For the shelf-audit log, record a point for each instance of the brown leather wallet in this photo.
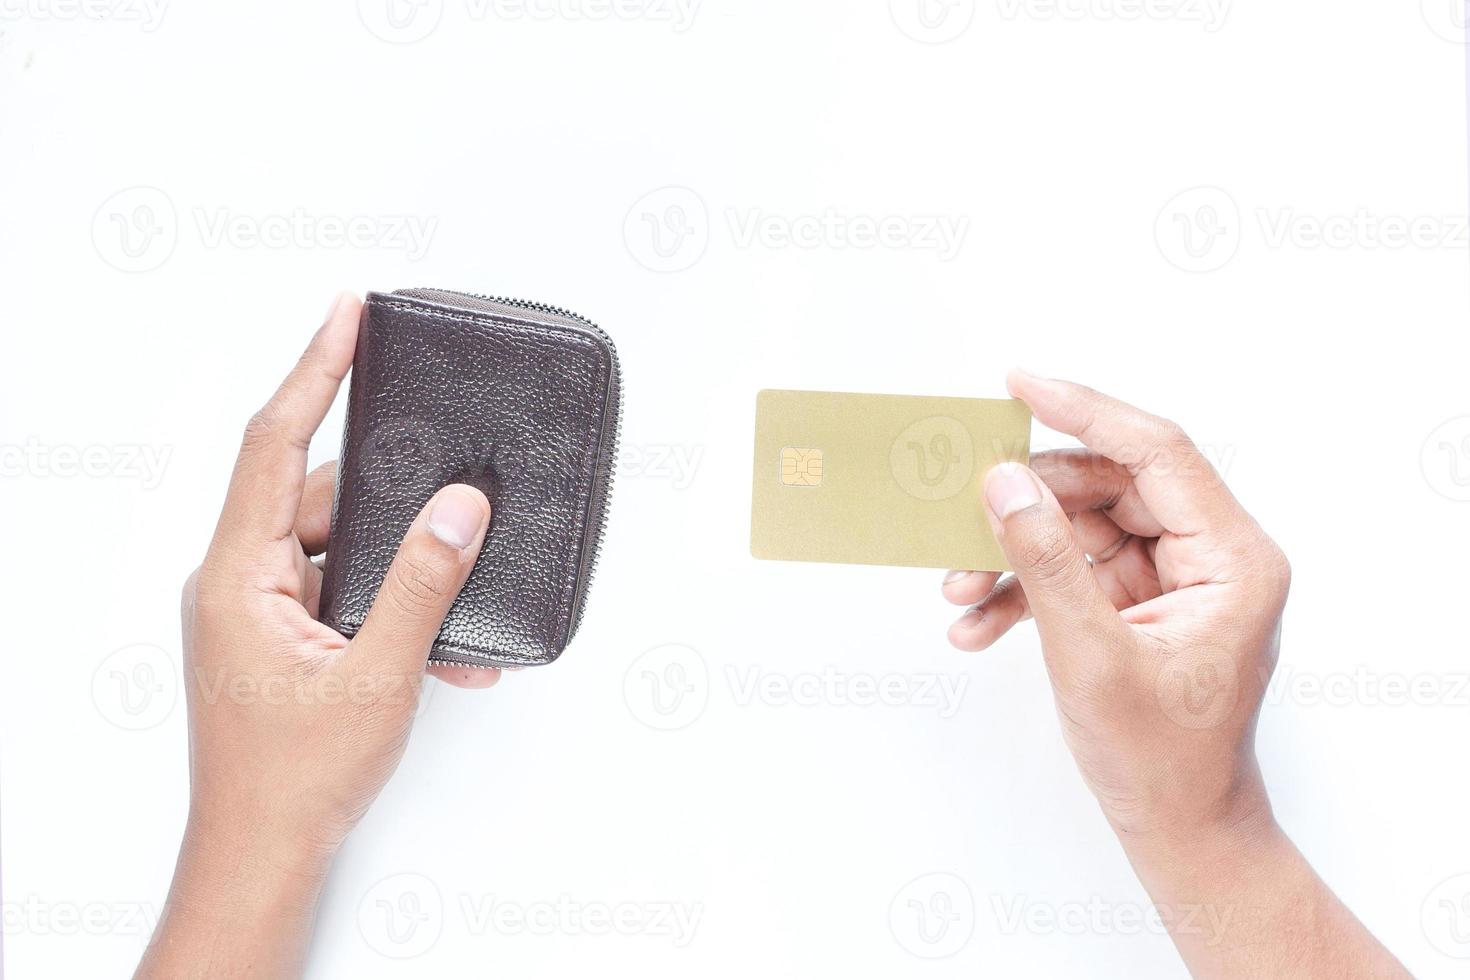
(518, 399)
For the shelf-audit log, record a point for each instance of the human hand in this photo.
(294, 729)
(1158, 600)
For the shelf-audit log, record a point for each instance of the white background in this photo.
(1317, 375)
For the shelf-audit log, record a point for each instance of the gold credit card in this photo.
(879, 479)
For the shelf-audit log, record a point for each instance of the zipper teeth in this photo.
(526, 304)
(612, 450)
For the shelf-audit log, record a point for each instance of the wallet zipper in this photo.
(588, 566)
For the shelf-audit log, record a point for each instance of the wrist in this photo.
(239, 904)
(226, 868)
(1220, 845)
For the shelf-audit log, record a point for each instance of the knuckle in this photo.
(190, 588)
(261, 430)
(417, 584)
(189, 598)
(1170, 433)
(1047, 550)
(1277, 566)
(1169, 448)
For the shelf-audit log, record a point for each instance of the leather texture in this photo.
(519, 400)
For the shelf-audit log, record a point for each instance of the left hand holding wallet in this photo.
(293, 728)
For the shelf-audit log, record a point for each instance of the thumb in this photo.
(431, 566)
(1038, 541)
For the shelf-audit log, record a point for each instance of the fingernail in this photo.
(956, 575)
(336, 302)
(456, 518)
(970, 619)
(1011, 487)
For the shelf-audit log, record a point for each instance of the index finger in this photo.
(1179, 486)
(270, 472)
